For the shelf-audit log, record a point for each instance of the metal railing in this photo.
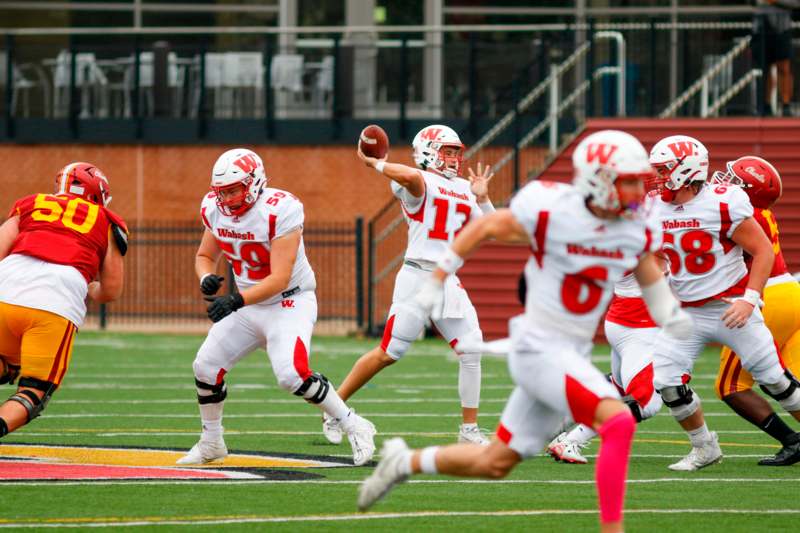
(702, 83)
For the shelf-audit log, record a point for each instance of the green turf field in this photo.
(137, 391)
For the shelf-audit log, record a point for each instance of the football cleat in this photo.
(706, 455)
(204, 452)
(362, 440)
(331, 429)
(472, 434)
(562, 449)
(788, 455)
(386, 475)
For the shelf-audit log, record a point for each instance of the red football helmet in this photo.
(756, 176)
(84, 180)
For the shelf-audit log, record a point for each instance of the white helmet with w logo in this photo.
(679, 160)
(600, 160)
(428, 146)
(234, 168)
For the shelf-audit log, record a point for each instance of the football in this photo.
(373, 141)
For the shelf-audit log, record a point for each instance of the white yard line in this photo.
(249, 519)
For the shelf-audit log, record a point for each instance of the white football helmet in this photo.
(679, 160)
(600, 160)
(428, 145)
(235, 167)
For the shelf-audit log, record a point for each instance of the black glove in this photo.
(222, 306)
(210, 284)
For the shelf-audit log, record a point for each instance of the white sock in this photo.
(469, 379)
(699, 436)
(427, 460)
(335, 407)
(581, 434)
(469, 425)
(405, 463)
(211, 417)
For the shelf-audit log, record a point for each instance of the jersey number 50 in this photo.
(47, 208)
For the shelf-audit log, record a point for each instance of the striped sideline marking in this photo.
(454, 481)
(250, 519)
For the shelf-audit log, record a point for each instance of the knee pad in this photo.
(401, 330)
(207, 372)
(469, 344)
(210, 393)
(29, 400)
(786, 392)
(10, 373)
(681, 400)
(3, 428)
(314, 389)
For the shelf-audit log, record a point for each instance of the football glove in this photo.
(222, 306)
(210, 284)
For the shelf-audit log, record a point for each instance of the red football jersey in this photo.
(64, 229)
(767, 221)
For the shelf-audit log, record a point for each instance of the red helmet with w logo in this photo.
(84, 180)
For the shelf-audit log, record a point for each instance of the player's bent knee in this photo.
(396, 349)
(314, 389)
(34, 401)
(207, 393)
(786, 392)
(205, 371)
(681, 400)
(633, 405)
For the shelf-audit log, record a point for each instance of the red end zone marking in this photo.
(34, 470)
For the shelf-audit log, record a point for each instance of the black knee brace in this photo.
(218, 392)
(29, 399)
(633, 405)
(3, 428)
(314, 389)
(793, 385)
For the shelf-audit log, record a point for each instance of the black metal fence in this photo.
(161, 288)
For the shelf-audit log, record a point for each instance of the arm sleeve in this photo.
(290, 217)
(411, 202)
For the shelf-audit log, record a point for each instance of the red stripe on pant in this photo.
(387, 333)
(641, 386)
(582, 402)
(59, 354)
(301, 360)
(503, 434)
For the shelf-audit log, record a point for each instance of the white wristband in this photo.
(752, 297)
(379, 166)
(486, 207)
(450, 262)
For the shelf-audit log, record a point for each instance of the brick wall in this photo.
(168, 182)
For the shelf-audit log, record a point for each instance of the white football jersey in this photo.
(246, 240)
(703, 260)
(577, 258)
(435, 219)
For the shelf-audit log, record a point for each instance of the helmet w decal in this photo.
(679, 160)
(236, 167)
(84, 180)
(600, 160)
(429, 145)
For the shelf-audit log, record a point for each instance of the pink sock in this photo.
(616, 435)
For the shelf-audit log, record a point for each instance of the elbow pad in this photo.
(120, 238)
(665, 310)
